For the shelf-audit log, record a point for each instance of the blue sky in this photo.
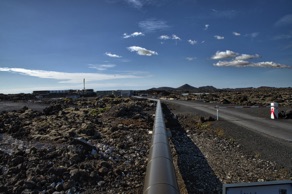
(140, 44)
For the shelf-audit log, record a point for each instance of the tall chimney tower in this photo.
(84, 84)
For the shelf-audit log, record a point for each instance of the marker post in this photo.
(274, 110)
(217, 110)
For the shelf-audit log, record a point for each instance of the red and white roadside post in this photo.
(274, 110)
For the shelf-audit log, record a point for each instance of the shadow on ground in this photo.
(198, 176)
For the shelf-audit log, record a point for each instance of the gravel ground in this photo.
(210, 154)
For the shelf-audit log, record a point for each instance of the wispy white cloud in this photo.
(219, 37)
(242, 63)
(224, 54)
(234, 63)
(270, 64)
(66, 77)
(191, 58)
(284, 21)
(192, 42)
(142, 51)
(206, 26)
(164, 37)
(175, 37)
(230, 14)
(112, 55)
(253, 34)
(236, 33)
(135, 3)
(101, 67)
(283, 36)
(247, 57)
(139, 4)
(288, 46)
(152, 25)
(134, 34)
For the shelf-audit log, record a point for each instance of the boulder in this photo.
(288, 114)
(54, 109)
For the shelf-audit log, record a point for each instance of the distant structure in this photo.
(126, 93)
(63, 93)
(116, 93)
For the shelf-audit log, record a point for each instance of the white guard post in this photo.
(274, 110)
(217, 112)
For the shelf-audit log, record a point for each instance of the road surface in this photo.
(281, 128)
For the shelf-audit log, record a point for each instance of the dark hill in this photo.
(163, 88)
(207, 89)
(186, 87)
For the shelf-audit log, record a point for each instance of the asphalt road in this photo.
(281, 128)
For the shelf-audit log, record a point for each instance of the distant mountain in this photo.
(208, 89)
(186, 87)
(265, 88)
(163, 88)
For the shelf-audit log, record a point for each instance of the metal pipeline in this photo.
(160, 175)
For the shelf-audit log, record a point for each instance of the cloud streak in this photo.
(253, 34)
(102, 67)
(283, 36)
(247, 57)
(65, 77)
(191, 58)
(142, 51)
(135, 3)
(240, 60)
(139, 4)
(242, 63)
(113, 55)
(284, 21)
(152, 25)
(219, 37)
(230, 14)
(134, 34)
(236, 33)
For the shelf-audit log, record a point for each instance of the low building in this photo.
(126, 93)
(63, 93)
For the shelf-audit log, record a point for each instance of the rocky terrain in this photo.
(261, 96)
(84, 146)
(100, 145)
(251, 97)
